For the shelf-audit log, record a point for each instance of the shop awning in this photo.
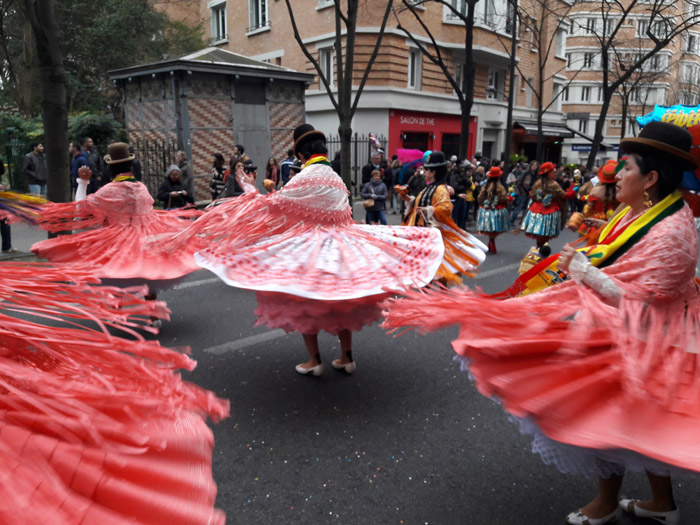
(548, 130)
(603, 145)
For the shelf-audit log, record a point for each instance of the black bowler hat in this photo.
(436, 160)
(662, 139)
(305, 133)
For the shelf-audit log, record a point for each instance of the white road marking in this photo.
(494, 271)
(246, 342)
(192, 284)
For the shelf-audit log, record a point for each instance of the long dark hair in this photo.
(670, 174)
(219, 161)
(610, 192)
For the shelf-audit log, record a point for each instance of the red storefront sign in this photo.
(434, 131)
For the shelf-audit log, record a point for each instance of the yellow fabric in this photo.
(598, 253)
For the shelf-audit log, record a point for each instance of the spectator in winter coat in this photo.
(172, 192)
(375, 189)
(186, 172)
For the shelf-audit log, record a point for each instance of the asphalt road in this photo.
(406, 439)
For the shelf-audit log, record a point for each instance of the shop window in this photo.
(415, 140)
(450, 144)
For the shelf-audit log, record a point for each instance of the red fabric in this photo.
(96, 428)
(123, 237)
(538, 207)
(589, 373)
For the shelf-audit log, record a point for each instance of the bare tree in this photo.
(636, 89)
(665, 21)
(542, 21)
(342, 100)
(462, 82)
(52, 78)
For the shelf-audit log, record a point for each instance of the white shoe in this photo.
(579, 518)
(314, 370)
(671, 517)
(348, 367)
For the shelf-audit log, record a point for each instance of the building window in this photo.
(610, 24)
(530, 92)
(415, 57)
(217, 15)
(635, 95)
(496, 84)
(259, 17)
(565, 94)
(591, 24)
(585, 94)
(642, 27)
(660, 29)
(692, 44)
(600, 94)
(583, 125)
(588, 60)
(325, 59)
(557, 96)
(460, 73)
(560, 43)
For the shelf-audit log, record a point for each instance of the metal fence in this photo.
(361, 151)
(155, 157)
(15, 150)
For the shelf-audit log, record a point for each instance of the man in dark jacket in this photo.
(34, 169)
(95, 161)
(172, 193)
(375, 163)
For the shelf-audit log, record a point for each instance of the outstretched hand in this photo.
(84, 172)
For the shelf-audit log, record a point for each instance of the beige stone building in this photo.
(407, 98)
(671, 77)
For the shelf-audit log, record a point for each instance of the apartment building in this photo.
(670, 77)
(407, 99)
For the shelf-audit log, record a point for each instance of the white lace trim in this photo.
(584, 273)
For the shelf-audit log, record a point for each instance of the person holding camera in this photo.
(172, 192)
(240, 171)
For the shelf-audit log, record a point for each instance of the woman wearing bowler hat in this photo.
(432, 207)
(602, 369)
(123, 238)
(311, 266)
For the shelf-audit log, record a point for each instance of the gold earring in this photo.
(647, 200)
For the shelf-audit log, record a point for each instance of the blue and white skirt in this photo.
(541, 225)
(492, 221)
